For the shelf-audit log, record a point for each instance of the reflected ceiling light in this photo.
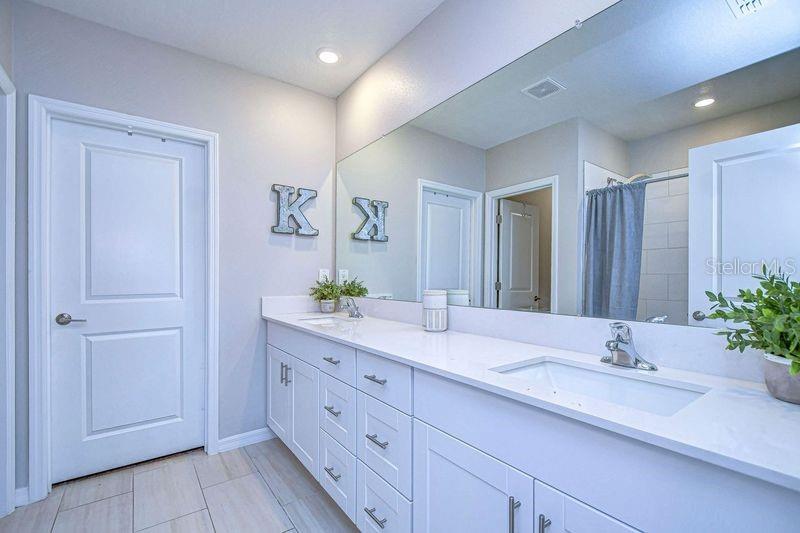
(704, 102)
(326, 55)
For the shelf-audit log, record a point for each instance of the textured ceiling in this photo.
(635, 70)
(278, 39)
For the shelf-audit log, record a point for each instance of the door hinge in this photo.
(499, 219)
(497, 285)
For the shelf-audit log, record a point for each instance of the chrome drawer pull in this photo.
(287, 381)
(283, 372)
(330, 409)
(371, 513)
(513, 505)
(334, 476)
(374, 379)
(544, 523)
(374, 439)
(331, 360)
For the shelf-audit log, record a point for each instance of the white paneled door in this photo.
(519, 255)
(127, 265)
(446, 247)
(742, 213)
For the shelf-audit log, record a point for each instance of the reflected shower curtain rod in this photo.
(611, 181)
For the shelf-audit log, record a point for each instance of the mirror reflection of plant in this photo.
(354, 288)
(325, 290)
(771, 314)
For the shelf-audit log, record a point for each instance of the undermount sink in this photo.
(651, 394)
(328, 321)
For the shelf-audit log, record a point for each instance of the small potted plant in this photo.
(326, 293)
(354, 288)
(770, 322)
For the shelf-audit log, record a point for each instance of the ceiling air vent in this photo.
(742, 8)
(543, 88)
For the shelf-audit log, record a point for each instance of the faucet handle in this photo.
(621, 331)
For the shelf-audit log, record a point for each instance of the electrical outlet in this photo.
(344, 275)
(324, 274)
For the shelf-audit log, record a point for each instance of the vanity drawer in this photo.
(385, 443)
(331, 357)
(380, 508)
(337, 410)
(386, 380)
(337, 473)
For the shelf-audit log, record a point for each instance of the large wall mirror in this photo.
(621, 170)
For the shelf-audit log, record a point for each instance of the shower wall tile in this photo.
(678, 287)
(656, 190)
(663, 287)
(678, 235)
(668, 261)
(654, 286)
(678, 186)
(666, 209)
(655, 236)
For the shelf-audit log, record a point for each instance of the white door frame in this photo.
(41, 112)
(8, 490)
(475, 263)
(490, 227)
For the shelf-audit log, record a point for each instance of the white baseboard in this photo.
(244, 439)
(21, 497)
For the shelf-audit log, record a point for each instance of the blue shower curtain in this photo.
(613, 245)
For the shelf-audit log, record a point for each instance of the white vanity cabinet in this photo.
(278, 394)
(401, 448)
(558, 513)
(303, 385)
(460, 488)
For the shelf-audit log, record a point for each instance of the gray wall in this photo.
(388, 169)
(458, 44)
(270, 132)
(6, 32)
(547, 152)
(670, 150)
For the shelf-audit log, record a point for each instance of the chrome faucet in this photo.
(623, 351)
(352, 308)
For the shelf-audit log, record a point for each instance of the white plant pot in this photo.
(780, 383)
(327, 306)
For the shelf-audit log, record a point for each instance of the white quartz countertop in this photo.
(736, 424)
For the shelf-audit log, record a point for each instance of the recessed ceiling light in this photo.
(705, 102)
(326, 55)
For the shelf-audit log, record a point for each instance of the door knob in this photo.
(62, 319)
(699, 316)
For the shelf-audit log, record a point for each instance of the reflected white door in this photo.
(446, 241)
(742, 211)
(518, 255)
(128, 247)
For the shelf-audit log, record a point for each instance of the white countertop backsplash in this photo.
(736, 425)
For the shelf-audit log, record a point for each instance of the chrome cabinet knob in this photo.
(699, 316)
(63, 319)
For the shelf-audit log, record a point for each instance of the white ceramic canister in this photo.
(458, 297)
(434, 310)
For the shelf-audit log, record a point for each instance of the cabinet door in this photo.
(459, 488)
(566, 514)
(304, 413)
(278, 393)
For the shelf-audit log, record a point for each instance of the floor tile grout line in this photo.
(272, 491)
(205, 501)
(60, 510)
(55, 516)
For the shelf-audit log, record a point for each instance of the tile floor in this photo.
(258, 488)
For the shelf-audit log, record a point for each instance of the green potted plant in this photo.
(354, 288)
(767, 319)
(326, 292)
